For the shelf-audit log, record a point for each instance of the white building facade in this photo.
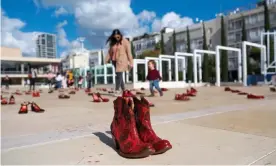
(145, 42)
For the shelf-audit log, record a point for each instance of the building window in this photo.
(210, 30)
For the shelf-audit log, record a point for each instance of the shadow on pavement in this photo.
(105, 139)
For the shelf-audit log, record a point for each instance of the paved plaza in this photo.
(215, 127)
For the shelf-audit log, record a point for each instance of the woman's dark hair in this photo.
(111, 40)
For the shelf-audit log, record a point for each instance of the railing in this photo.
(19, 72)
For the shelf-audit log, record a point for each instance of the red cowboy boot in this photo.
(146, 133)
(12, 100)
(127, 93)
(24, 108)
(124, 131)
(36, 108)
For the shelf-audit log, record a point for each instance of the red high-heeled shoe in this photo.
(251, 96)
(12, 100)
(87, 90)
(103, 99)
(164, 89)
(190, 93)
(24, 108)
(36, 94)
(181, 97)
(95, 98)
(28, 92)
(193, 90)
(36, 108)
(4, 101)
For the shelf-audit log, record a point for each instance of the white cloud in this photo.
(146, 16)
(13, 36)
(63, 42)
(171, 20)
(60, 11)
(97, 18)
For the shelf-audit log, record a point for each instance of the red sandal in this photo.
(102, 99)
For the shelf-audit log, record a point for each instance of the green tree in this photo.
(244, 38)
(133, 50)
(190, 71)
(205, 70)
(224, 56)
(162, 45)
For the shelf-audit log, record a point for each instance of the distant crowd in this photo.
(54, 80)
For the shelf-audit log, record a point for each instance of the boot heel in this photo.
(115, 143)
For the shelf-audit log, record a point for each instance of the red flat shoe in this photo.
(103, 99)
(235, 91)
(164, 89)
(24, 108)
(227, 89)
(181, 97)
(72, 92)
(242, 93)
(63, 96)
(36, 108)
(251, 96)
(95, 98)
(12, 100)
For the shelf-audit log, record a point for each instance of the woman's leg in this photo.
(122, 82)
(118, 80)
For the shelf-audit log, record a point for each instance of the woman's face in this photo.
(117, 37)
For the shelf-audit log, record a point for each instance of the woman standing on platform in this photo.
(120, 55)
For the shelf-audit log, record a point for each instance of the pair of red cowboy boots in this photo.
(34, 107)
(132, 131)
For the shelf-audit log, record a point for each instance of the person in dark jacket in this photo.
(32, 76)
(154, 78)
(89, 80)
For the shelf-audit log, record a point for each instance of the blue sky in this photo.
(94, 19)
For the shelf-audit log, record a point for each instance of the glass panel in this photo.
(109, 70)
(100, 80)
(110, 80)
